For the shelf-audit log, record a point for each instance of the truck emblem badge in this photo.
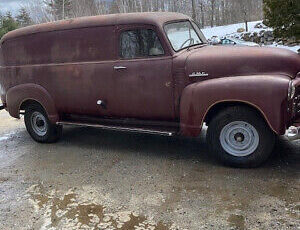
(199, 74)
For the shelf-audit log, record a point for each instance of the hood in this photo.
(218, 61)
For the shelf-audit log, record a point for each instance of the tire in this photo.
(239, 137)
(38, 125)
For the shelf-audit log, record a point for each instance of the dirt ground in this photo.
(95, 179)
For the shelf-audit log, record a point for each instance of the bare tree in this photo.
(206, 12)
(194, 10)
(38, 11)
(81, 8)
(212, 12)
(245, 7)
(201, 7)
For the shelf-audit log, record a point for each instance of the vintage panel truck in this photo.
(151, 73)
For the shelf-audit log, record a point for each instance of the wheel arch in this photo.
(20, 96)
(221, 105)
(267, 94)
(29, 101)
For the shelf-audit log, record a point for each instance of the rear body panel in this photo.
(75, 65)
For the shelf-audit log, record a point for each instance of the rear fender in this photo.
(267, 94)
(19, 94)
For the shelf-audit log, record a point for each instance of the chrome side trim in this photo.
(119, 67)
(116, 128)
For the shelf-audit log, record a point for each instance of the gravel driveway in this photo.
(95, 179)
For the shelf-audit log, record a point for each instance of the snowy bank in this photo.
(231, 30)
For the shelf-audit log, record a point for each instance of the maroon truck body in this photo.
(68, 66)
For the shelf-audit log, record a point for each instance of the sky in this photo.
(14, 5)
(10, 5)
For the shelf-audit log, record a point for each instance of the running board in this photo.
(118, 128)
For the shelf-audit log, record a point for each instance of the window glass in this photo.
(183, 34)
(140, 43)
(227, 42)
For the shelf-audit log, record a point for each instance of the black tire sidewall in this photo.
(53, 132)
(266, 137)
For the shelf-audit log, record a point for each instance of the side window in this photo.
(140, 43)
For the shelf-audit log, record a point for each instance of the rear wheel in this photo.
(38, 125)
(240, 137)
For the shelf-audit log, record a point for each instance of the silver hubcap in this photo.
(239, 138)
(39, 123)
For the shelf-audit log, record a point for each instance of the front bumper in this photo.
(295, 105)
(293, 133)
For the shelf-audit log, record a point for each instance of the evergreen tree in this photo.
(8, 15)
(283, 16)
(60, 9)
(8, 23)
(1, 19)
(23, 18)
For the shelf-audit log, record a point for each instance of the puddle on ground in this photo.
(68, 212)
(237, 221)
(6, 136)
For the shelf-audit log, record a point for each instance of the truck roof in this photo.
(154, 18)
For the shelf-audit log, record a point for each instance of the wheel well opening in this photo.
(223, 105)
(26, 103)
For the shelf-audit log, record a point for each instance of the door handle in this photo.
(119, 67)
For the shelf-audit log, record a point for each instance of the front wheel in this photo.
(240, 137)
(38, 125)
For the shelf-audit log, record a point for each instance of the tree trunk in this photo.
(246, 25)
(212, 13)
(194, 10)
(202, 14)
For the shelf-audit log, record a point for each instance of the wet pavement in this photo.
(95, 179)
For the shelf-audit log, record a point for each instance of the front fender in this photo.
(268, 94)
(17, 95)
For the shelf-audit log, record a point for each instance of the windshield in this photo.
(184, 34)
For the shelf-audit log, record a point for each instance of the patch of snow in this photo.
(221, 31)
(231, 30)
(292, 48)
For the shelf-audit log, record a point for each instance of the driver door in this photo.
(142, 76)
